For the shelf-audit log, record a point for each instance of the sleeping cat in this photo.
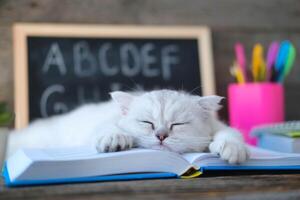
(163, 119)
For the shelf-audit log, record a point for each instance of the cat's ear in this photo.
(210, 103)
(123, 99)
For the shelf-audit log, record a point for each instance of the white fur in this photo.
(118, 125)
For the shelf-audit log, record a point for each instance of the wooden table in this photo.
(230, 187)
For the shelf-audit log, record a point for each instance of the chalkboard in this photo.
(64, 71)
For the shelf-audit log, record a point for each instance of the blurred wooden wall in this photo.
(231, 20)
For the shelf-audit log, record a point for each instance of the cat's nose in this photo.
(162, 134)
(161, 137)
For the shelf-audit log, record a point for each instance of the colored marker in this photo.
(258, 64)
(271, 59)
(282, 56)
(236, 71)
(241, 58)
(288, 64)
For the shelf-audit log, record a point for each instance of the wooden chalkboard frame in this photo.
(21, 31)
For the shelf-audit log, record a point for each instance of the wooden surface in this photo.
(231, 20)
(231, 187)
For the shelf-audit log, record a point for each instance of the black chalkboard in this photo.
(67, 72)
(58, 67)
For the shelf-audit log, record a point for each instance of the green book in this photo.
(289, 129)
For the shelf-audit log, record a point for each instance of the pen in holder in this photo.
(253, 104)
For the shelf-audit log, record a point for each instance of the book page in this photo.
(192, 157)
(75, 153)
(259, 153)
(255, 154)
(87, 162)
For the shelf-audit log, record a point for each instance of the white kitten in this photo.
(162, 119)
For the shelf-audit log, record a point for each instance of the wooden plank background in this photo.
(230, 20)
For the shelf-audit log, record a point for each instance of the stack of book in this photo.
(282, 137)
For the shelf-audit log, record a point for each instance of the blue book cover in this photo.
(120, 177)
(250, 168)
(142, 176)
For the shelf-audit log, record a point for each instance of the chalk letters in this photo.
(55, 58)
(169, 59)
(107, 68)
(84, 62)
(148, 61)
(58, 106)
(68, 72)
(130, 60)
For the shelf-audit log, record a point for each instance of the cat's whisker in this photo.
(196, 88)
(193, 139)
(190, 142)
(137, 87)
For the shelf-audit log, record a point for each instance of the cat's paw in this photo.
(232, 151)
(113, 142)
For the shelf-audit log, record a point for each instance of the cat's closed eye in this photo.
(178, 124)
(149, 123)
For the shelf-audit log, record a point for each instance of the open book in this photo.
(84, 164)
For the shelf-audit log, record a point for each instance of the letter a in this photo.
(55, 58)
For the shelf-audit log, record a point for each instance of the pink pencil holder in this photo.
(255, 104)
